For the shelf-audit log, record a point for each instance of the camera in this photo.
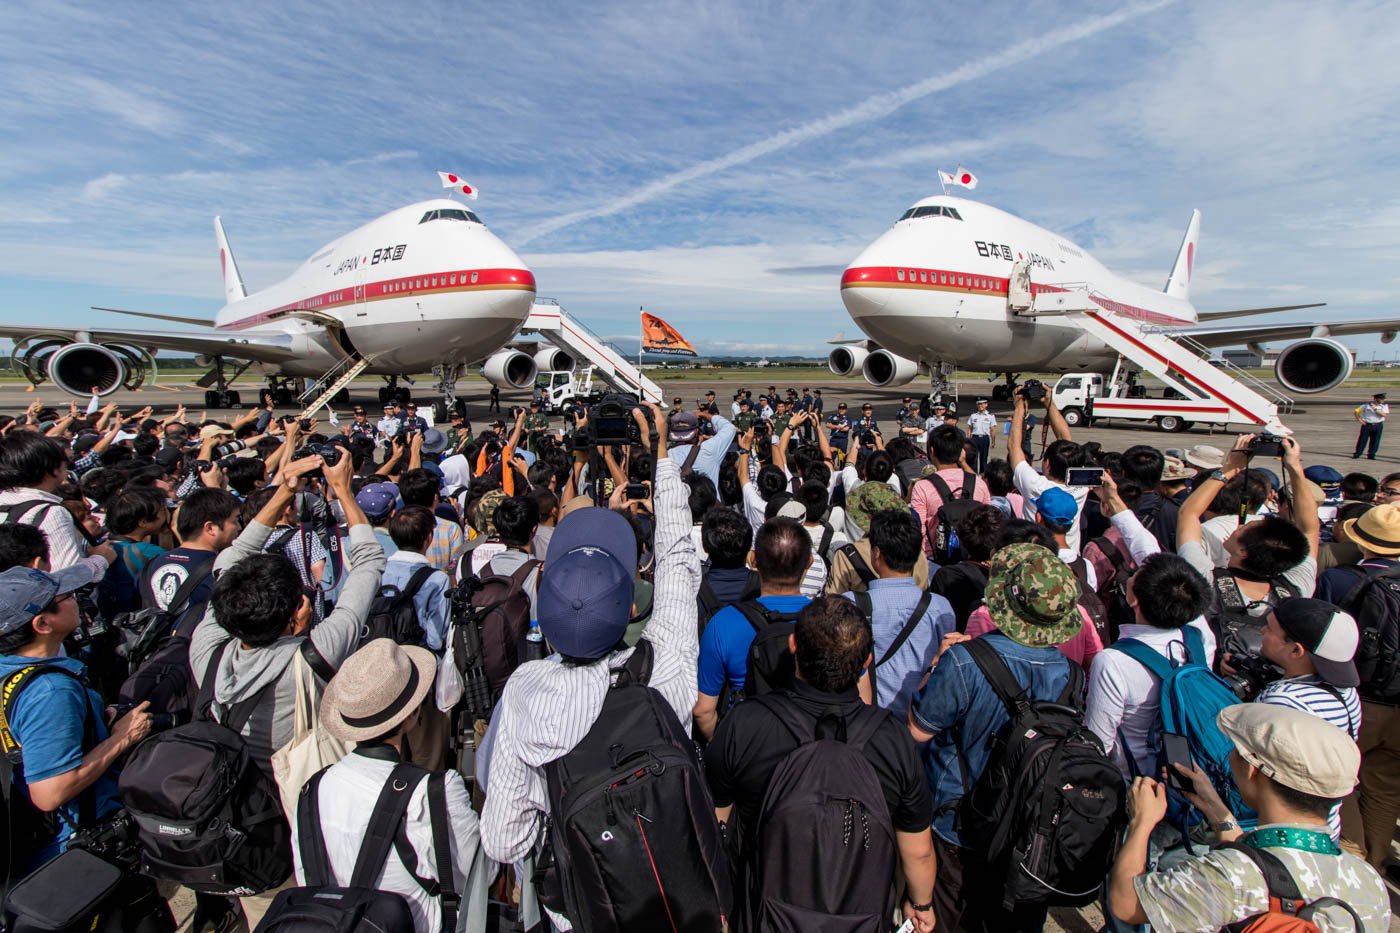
(330, 453)
(1033, 390)
(1265, 444)
(113, 839)
(159, 721)
(1252, 674)
(610, 421)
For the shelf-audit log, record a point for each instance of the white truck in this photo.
(1084, 398)
(557, 388)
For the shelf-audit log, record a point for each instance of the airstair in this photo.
(326, 388)
(1173, 358)
(549, 320)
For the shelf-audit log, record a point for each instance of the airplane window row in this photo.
(432, 281)
(936, 210)
(947, 278)
(448, 213)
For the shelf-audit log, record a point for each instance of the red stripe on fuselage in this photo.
(432, 283)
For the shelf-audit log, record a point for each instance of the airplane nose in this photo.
(861, 301)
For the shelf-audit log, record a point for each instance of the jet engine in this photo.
(78, 367)
(553, 359)
(846, 361)
(1313, 365)
(883, 369)
(510, 369)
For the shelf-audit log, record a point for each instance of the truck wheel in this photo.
(1170, 423)
(1073, 417)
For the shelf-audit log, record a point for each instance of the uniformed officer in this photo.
(746, 417)
(536, 427)
(982, 423)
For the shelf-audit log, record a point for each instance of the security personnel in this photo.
(746, 417)
(536, 427)
(982, 423)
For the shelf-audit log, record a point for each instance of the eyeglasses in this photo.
(60, 600)
(1387, 491)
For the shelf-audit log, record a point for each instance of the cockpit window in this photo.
(934, 210)
(448, 213)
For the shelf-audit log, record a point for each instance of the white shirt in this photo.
(67, 546)
(1031, 484)
(982, 423)
(346, 791)
(1371, 413)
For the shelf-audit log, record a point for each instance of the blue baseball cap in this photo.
(26, 592)
(1329, 479)
(1058, 506)
(585, 592)
(378, 499)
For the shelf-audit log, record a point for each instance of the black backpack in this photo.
(858, 563)
(963, 585)
(1375, 604)
(158, 657)
(826, 855)
(710, 603)
(321, 906)
(770, 665)
(942, 526)
(1113, 589)
(1236, 631)
(498, 607)
(392, 614)
(1045, 814)
(866, 605)
(207, 815)
(28, 829)
(631, 839)
(1089, 601)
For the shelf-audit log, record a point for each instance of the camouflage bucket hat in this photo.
(1032, 596)
(486, 511)
(870, 498)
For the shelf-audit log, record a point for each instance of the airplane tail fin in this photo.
(233, 281)
(1179, 282)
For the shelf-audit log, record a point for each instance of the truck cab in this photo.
(1074, 394)
(556, 388)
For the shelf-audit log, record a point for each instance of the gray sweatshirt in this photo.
(245, 671)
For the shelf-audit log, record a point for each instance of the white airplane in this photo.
(425, 287)
(932, 294)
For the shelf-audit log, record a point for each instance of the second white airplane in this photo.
(932, 294)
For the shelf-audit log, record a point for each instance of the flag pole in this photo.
(641, 335)
(941, 182)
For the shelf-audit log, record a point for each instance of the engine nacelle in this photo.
(78, 367)
(1313, 365)
(883, 369)
(553, 359)
(510, 369)
(846, 361)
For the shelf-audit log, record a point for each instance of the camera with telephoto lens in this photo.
(1252, 674)
(113, 839)
(610, 422)
(1033, 390)
(1265, 444)
(330, 453)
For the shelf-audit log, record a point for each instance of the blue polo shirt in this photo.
(47, 720)
(724, 647)
(960, 708)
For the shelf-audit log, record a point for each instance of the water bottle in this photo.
(534, 648)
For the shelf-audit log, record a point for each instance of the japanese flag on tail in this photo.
(458, 184)
(965, 178)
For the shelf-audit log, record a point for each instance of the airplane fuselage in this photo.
(933, 288)
(423, 285)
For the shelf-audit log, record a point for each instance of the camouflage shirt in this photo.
(1224, 886)
(744, 420)
(537, 424)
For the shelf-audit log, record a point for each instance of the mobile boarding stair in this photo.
(320, 392)
(1223, 395)
(549, 320)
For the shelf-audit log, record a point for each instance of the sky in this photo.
(716, 162)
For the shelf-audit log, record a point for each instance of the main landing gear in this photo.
(220, 396)
(391, 391)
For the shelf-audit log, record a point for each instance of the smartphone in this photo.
(1178, 752)
(906, 927)
(637, 491)
(1085, 476)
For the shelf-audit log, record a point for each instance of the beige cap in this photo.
(211, 431)
(1296, 749)
(1175, 470)
(1205, 457)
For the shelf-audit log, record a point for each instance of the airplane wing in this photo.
(264, 348)
(1206, 316)
(1234, 335)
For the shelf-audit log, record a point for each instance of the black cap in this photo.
(1327, 633)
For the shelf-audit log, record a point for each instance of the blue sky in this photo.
(716, 162)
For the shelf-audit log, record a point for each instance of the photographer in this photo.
(1055, 464)
(56, 722)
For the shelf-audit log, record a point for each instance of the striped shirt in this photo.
(1342, 709)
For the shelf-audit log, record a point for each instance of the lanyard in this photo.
(1283, 837)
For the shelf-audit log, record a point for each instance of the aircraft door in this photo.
(1020, 297)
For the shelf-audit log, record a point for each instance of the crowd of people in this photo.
(763, 668)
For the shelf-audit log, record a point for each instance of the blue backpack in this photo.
(1191, 698)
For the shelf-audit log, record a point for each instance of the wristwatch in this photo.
(921, 908)
(1225, 825)
(1218, 475)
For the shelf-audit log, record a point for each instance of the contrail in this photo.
(872, 108)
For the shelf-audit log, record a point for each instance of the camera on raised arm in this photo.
(1032, 390)
(1265, 444)
(330, 453)
(610, 422)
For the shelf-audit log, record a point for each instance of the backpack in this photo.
(1046, 813)
(963, 585)
(392, 614)
(499, 608)
(1236, 631)
(17, 512)
(631, 841)
(1089, 601)
(770, 663)
(826, 855)
(119, 590)
(1289, 911)
(858, 563)
(1191, 697)
(207, 815)
(710, 603)
(867, 607)
(27, 828)
(157, 657)
(1113, 588)
(942, 525)
(360, 907)
(1375, 604)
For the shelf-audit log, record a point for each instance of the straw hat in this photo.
(377, 688)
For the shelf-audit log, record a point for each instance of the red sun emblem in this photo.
(452, 178)
(965, 178)
(466, 189)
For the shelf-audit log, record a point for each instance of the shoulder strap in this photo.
(866, 605)
(315, 862)
(522, 573)
(998, 675)
(415, 582)
(388, 813)
(316, 661)
(638, 667)
(827, 534)
(1283, 888)
(944, 492)
(442, 849)
(11, 688)
(193, 579)
(691, 455)
(1353, 596)
(17, 512)
(752, 586)
(755, 612)
(910, 625)
(709, 600)
(1111, 551)
(858, 563)
(1156, 665)
(969, 485)
(780, 705)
